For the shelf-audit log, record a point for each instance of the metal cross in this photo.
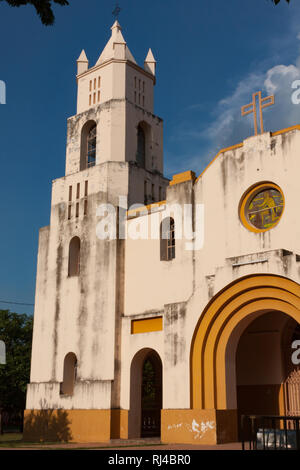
(116, 11)
(252, 108)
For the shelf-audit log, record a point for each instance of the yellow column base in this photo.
(67, 425)
(207, 427)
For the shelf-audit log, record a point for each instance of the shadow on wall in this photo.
(47, 425)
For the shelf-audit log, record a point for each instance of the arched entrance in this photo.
(260, 367)
(214, 375)
(145, 394)
(266, 377)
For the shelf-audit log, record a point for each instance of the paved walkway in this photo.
(117, 444)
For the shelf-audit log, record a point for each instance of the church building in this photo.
(182, 316)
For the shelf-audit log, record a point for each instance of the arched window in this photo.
(91, 147)
(74, 257)
(141, 147)
(88, 145)
(70, 374)
(167, 239)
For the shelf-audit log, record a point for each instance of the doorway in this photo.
(151, 396)
(145, 395)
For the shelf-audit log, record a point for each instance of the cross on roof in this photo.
(116, 11)
(252, 108)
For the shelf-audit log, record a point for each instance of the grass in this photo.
(15, 441)
(11, 437)
(10, 440)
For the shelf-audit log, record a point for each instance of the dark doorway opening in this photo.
(151, 395)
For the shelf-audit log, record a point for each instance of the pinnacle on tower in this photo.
(116, 48)
(82, 63)
(116, 26)
(150, 63)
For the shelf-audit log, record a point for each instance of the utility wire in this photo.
(15, 303)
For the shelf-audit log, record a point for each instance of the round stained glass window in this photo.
(262, 207)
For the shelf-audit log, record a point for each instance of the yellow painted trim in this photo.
(148, 208)
(246, 199)
(227, 149)
(282, 405)
(244, 297)
(287, 129)
(146, 326)
(245, 311)
(183, 177)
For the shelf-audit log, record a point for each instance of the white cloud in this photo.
(227, 127)
(278, 75)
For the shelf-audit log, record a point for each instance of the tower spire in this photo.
(82, 63)
(150, 63)
(116, 48)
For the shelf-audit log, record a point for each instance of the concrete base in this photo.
(67, 425)
(207, 427)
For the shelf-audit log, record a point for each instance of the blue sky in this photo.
(212, 55)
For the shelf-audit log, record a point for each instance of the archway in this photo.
(69, 374)
(264, 361)
(145, 394)
(74, 257)
(213, 374)
(260, 366)
(143, 144)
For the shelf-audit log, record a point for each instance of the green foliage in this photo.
(42, 7)
(16, 332)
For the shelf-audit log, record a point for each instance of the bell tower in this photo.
(115, 120)
(114, 148)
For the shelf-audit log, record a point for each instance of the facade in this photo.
(187, 320)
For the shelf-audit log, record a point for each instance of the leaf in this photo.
(42, 7)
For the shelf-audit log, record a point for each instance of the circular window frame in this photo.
(246, 200)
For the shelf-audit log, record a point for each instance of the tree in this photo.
(43, 8)
(277, 1)
(16, 332)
